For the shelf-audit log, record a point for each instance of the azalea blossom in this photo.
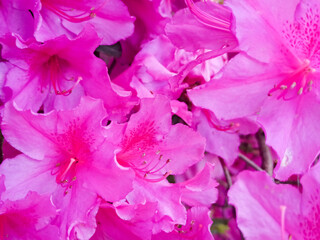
(54, 75)
(153, 147)
(274, 81)
(67, 151)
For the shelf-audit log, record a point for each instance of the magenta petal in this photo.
(170, 210)
(20, 181)
(104, 171)
(30, 132)
(28, 218)
(201, 189)
(111, 225)
(224, 143)
(185, 24)
(183, 150)
(310, 206)
(258, 20)
(77, 211)
(197, 227)
(244, 86)
(181, 110)
(289, 128)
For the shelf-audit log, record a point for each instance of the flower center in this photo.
(72, 14)
(55, 74)
(149, 170)
(66, 173)
(295, 83)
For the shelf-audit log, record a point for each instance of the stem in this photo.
(226, 172)
(250, 162)
(267, 161)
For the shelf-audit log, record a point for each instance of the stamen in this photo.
(207, 19)
(151, 168)
(61, 177)
(298, 78)
(283, 231)
(156, 179)
(55, 75)
(231, 127)
(62, 12)
(188, 233)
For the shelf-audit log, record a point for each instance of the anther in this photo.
(293, 85)
(300, 91)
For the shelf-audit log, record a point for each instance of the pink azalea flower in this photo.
(154, 148)
(28, 218)
(197, 227)
(67, 151)
(56, 17)
(273, 80)
(57, 73)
